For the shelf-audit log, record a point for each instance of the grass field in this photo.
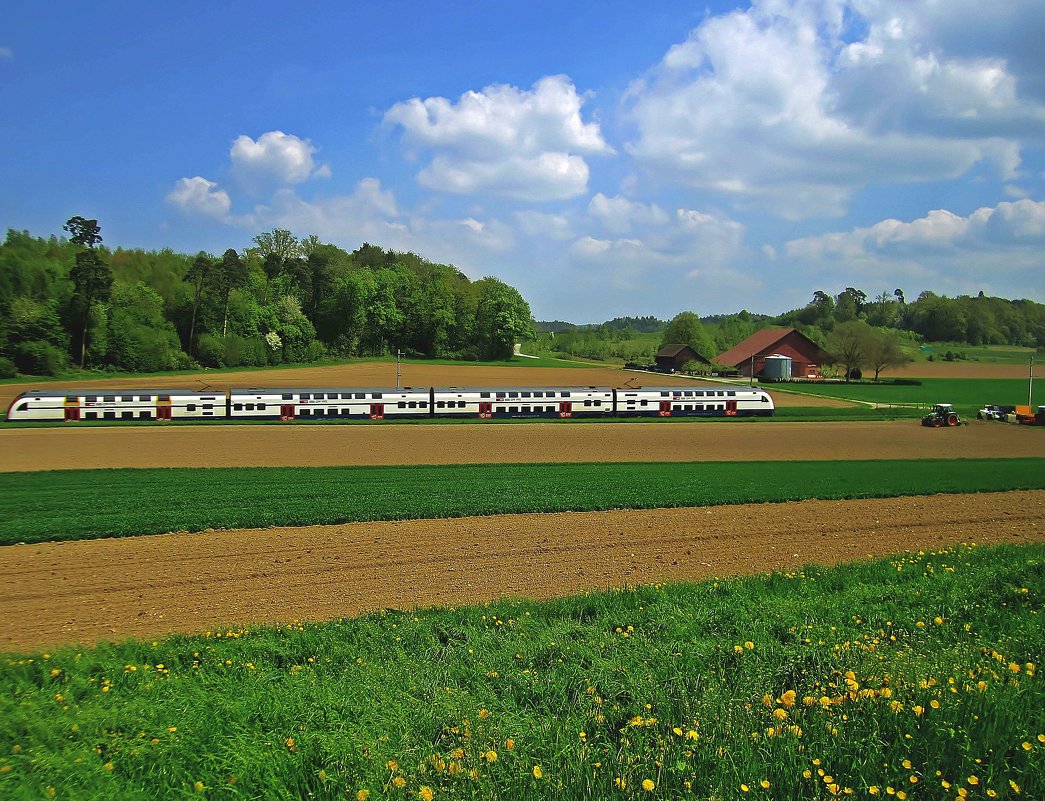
(967, 394)
(908, 678)
(81, 504)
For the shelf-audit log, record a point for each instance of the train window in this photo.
(261, 407)
(377, 396)
(110, 415)
(513, 410)
(402, 404)
(513, 394)
(413, 404)
(237, 407)
(484, 394)
(91, 416)
(164, 398)
(144, 415)
(525, 394)
(664, 394)
(91, 399)
(109, 398)
(731, 393)
(440, 404)
(644, 403)
(525, 409)
(360, 396)
(699, 407)
(71, 399)
(127, 415)
(190, 407)
(208, 406)
(698, 394)
(288, 396)
(305, 396)
(587, 403)
(249, 407)
(765, 399)
(22, 406)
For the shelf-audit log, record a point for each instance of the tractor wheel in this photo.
(952, 420)
(937, 422)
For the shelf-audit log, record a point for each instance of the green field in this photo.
(967, 394)
(81, 504)
(906, 678)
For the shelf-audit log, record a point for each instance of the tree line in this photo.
(72, 301)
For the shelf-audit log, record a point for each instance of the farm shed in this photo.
(806, 356)
(675, 357)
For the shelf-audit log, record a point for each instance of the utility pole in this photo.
(1030, 386)
(751, 381)
(398, 354)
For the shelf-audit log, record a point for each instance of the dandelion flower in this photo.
(765, 784)
(974, 780)
(425, 793)
(199, 786)
(537, 773)
(648, 785)
(362, 795)
(399, 782)
(490, 756)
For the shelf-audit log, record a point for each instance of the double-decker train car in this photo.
(385, 403)
(357, 403)
(491, 403)
(705, 401)
(118, 404)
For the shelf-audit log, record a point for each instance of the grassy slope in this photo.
(83, 504)
(915, 675)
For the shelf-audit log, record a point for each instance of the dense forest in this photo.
(70, 301)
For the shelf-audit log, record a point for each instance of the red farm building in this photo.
(777, 345)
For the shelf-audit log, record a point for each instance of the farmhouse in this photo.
(675, 357)
(777, 345)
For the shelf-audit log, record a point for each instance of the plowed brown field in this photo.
(493, 443)
(64, 593)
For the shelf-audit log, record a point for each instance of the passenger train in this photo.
(382, 403)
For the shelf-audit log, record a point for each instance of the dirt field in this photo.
(65, 593)
(66, 448)
(963, 370)
(375, 374)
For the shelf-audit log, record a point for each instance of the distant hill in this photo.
(642, 325)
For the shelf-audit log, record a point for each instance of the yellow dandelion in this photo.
(749, 645)
(392, 765)
(1015, 787)
(765, 784)
(490, 756)
(934, 704)
(199, 787)
(873, 789)
(738, 648)
(483, 714)
(692, 735)
(992, 794)
(399, 782)
(744, 788)
(974, 780)
(1027, 746)
(425, 793)
(648, 785)
(362, 795)
(780, 714)
(901, 795)
(788, 698)
(537, 773)
(108, 766)
(509, 744)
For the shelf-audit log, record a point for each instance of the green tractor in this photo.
(942, 415)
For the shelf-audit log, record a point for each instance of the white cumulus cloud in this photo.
(505, 141)
(275, 156)
(793, 105)
(199, 196)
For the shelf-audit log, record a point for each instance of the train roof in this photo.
(316, 390)
(81, 391)
(691, 387)
(560, 388)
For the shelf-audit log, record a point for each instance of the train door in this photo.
(665, 409)
(72, 409)
(731, 408)
(287, 411)
(163, 407)
(377, 411)
(566, 409)
(485, 410)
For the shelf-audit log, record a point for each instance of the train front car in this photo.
(355, 403)
(73, 405)
(491, 403)
(695, 401)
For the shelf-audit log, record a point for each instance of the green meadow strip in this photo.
(908, 678)
(66, 505)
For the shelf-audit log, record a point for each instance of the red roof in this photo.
(760, 342)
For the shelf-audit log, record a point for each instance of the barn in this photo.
(776, 345)
(674, 357)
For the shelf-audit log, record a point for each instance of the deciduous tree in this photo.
(91, 277)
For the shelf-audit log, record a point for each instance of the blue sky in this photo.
(605, 158)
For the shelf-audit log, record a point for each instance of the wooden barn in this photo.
(776, 344)
(674, 357)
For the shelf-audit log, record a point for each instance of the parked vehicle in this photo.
(992, 412)
(1025, 417)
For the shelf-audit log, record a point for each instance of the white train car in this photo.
(697, 401)
(117, 404)
(375, 403)
(492, 403)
